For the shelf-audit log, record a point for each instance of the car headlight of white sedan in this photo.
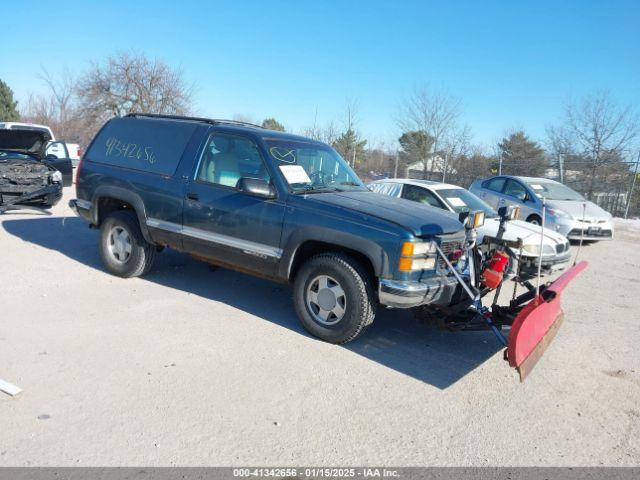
(554, 213)
(534, 249)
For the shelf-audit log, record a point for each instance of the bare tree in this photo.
(470, 165)
(436, 114)
(328, 133)
(58, 107)
(127, 83)
(245, 117)
(596, 129)
(456, 145)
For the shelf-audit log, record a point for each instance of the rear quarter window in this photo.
(495, 184)
(391, 189)
(149, 145)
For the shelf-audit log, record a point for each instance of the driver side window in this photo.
(227, 158)
(421, 195)
(516, 190)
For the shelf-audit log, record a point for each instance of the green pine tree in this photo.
(8, 106)
(272, 124)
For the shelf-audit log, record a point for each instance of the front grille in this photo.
(448, 245)
(590, 221)
(560, 248)
(601, 233)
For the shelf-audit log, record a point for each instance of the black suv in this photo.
(267, 203)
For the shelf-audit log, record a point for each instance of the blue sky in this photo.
(511, 63)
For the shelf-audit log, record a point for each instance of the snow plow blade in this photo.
(537, 323)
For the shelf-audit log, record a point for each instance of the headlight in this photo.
(417, 256)
(411, 249)
(534, 249)
(410, 264)
(553, 212)
(56, 177)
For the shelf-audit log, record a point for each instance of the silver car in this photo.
(555, 255)
(568, 212)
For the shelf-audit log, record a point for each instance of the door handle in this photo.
(192, 196)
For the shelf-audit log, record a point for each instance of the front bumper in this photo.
(591, 229)
(550, 264)
(437, 290)
(17, 195)
(80, 207)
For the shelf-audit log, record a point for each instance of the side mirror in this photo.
(256, 187)
(51, 156)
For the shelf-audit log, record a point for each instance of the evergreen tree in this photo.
(272, 124)
(350, 147)
(522, 156)
(8, 106)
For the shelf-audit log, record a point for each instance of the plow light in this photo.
(510, 212)
(478, 219)
(471, 219)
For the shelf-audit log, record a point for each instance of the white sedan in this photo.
(556, 253)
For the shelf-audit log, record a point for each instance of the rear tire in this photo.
(123, 249)
(334, 297)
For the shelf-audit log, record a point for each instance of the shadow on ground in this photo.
(395, 340)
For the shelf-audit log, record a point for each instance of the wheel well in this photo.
(532, 216)
(311, 248)
(108, 205)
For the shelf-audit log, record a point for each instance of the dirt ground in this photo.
(192, 367)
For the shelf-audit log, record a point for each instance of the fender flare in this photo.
(370, 249)
(124, 195)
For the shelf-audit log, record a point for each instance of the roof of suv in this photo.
(230, 125)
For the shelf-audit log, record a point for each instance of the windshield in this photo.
(553, 191)
(461, 200)
(6, 154)
(312, 167)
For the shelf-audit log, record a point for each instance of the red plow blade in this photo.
(537, 323)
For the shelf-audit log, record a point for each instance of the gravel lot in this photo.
(192, 367)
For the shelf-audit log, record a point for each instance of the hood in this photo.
(421, 220)
(574, 208)
(528, 232)
(31, 142)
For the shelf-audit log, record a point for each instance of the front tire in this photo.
(334, 297)
(123, 249)
(534, 219)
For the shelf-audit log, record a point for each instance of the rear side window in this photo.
(495, 184)
(148, 145)
(391, 189)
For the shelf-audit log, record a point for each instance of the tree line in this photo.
(590, 148)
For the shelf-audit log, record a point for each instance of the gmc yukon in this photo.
(268, 203)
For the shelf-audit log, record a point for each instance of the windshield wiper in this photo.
(352, 184)
(316, 189)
